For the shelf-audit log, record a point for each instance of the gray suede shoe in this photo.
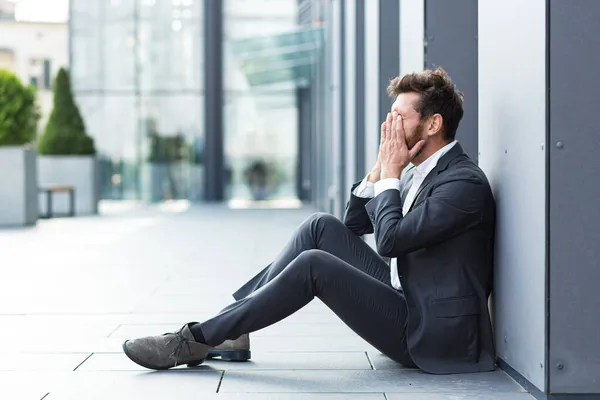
(166, 351)
(232, 350)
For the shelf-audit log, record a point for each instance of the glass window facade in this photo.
(138, 71)
(138, 77)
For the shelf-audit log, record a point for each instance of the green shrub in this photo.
(65, 131)
(19, 114)
(166, 149)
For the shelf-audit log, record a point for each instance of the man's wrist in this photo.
(374, 176)
(394, 172)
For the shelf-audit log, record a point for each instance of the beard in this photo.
(416, 136)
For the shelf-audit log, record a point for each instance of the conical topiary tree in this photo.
(65, 131)
(19, 114)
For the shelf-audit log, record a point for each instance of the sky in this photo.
(42, 10)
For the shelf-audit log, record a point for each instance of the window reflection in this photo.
(260, 121)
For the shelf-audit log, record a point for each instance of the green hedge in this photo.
(65, 131)
(19, 114)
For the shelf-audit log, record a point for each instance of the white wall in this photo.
(412, 33)
(372, 88)
(512, 132)
(36, 40)
(350, 85)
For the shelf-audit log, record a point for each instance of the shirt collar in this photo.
(428, 165)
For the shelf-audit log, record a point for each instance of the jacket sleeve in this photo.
(356, 217)
(453, 207)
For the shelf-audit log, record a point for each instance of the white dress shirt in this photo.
(367, 189)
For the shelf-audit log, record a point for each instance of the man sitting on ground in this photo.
(432, 212)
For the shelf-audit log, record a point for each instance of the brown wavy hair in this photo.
(438, 96)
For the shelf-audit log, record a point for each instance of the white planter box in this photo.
(18, 186)
(80, 172)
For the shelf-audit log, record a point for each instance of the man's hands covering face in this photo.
(394, 154)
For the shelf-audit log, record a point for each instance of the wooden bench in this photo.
(49, 191)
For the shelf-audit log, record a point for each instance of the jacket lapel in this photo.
(441, 166)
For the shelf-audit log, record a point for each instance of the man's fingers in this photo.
(383, 130)
(412, 153)
(400, 130)
(388, 125)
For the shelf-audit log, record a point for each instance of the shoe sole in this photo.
(143, 364)
(229, 355)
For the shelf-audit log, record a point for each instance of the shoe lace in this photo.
(182, 343)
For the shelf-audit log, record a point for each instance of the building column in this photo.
(214, 176)
(359, 87)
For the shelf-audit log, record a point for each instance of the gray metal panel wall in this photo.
(451, 32)
(389, 52)
(512, 135)
(574, 214)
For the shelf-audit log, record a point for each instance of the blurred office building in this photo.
(239, 100)
(34, 51)
(7, 10)
(193, 99)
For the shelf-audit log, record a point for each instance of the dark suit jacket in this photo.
(444, 249)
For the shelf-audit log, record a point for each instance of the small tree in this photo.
(65, 131)
(19, 114)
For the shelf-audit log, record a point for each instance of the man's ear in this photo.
(435, 124)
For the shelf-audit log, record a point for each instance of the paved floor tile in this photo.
(134, 385)
(363, 381)
(65, 344)
(486, 382)
(41, 362)
(295, 396)
(459, 396)
(309, 343)
(260, 361)
(18, 392)
(30, 385)
(380, 361)
(93, 282)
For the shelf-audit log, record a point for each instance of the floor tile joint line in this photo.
(81, 363)
(114, 330)
(220, 381)
(369, 360)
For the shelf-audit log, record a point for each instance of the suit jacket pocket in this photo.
(455, 306)
(459, 319)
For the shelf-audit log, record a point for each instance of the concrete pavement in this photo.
(72, 290)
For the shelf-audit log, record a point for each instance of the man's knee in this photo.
(314, 257)
(324, 219)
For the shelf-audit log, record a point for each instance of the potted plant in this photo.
(19, 116)
(67, 153)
